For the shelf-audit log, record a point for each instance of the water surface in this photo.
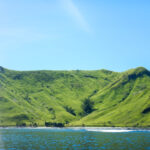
(73, 139)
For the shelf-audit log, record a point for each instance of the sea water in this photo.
(74, 139)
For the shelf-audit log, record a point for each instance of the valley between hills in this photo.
(75, 98)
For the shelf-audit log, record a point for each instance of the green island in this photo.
(98, 98)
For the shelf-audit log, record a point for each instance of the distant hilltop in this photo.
(75, 98)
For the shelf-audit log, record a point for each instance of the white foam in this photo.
(109, 130)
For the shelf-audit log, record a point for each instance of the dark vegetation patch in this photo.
(135, 75)
(87, 106)
(90, 76)
(70, 110)
(21, 117)
(27, 98)
(18, 77)
(21, 124)
(34, 124)
(41, 76)
(53, 124)
(145, 111)
(2, 99)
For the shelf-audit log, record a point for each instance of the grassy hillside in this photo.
(75, 98)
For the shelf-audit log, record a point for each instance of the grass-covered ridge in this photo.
(75, 98)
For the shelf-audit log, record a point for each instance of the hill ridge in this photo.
(136, 68)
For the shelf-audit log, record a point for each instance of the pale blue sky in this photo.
(74, 34)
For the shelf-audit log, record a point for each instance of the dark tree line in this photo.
(87, 106)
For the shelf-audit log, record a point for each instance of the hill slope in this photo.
(57, 98)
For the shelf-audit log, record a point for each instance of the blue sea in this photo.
(74, 139)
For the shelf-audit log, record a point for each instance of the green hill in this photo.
(75, 98)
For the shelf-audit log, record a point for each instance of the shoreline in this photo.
(86, 128)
